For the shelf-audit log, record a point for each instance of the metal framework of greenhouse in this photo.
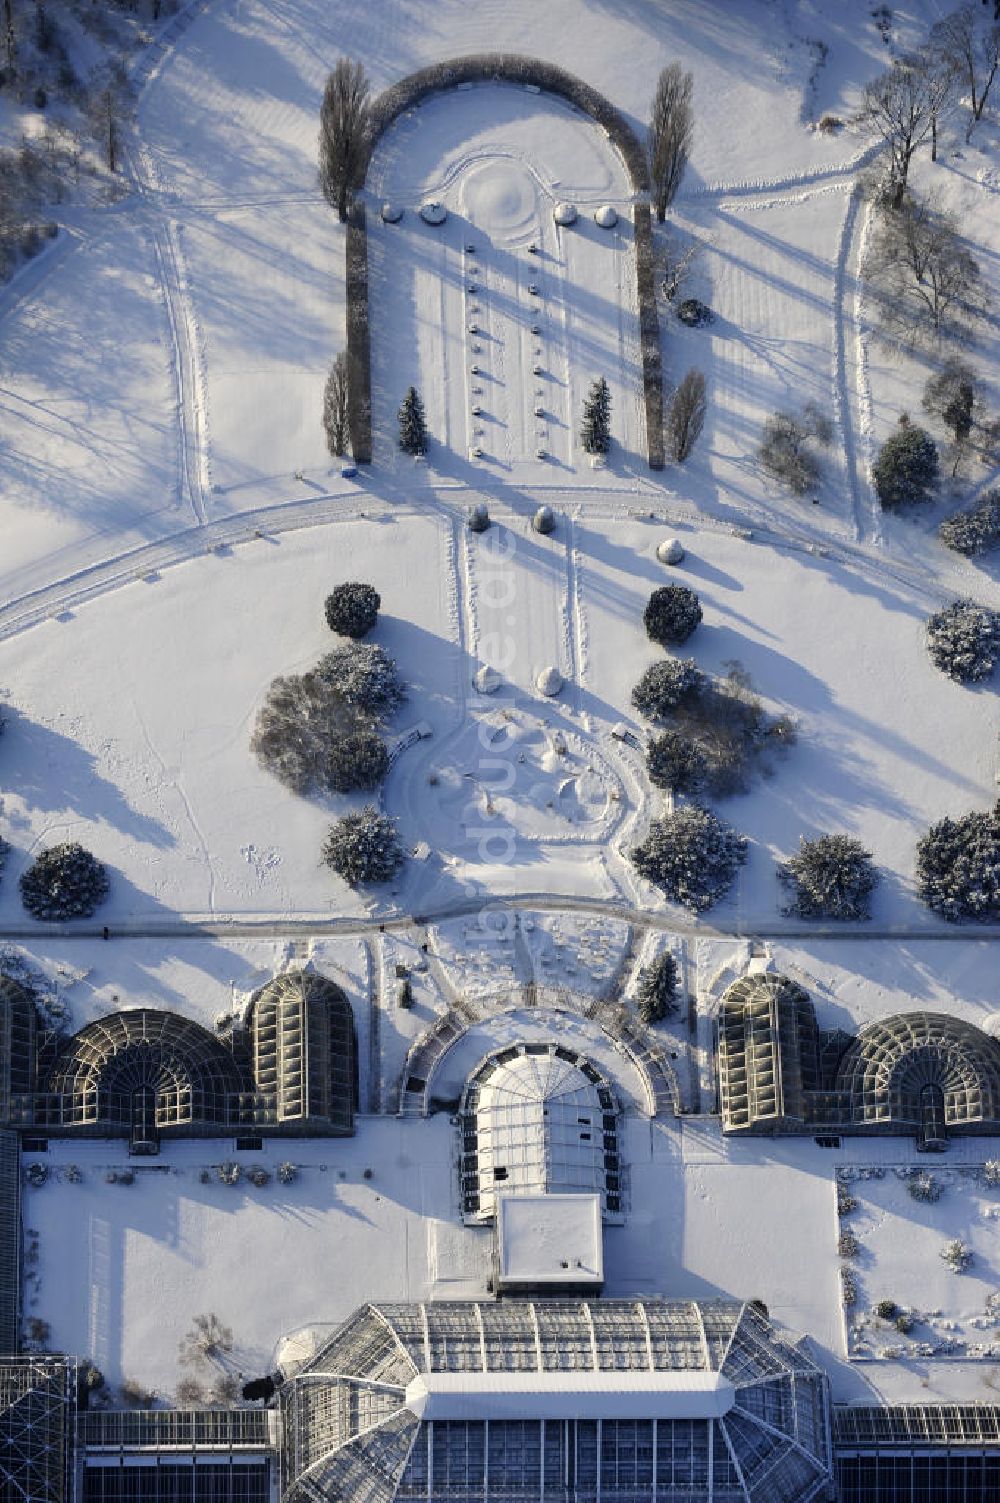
(724, 1410)
(921, 1072)
(37, 1415)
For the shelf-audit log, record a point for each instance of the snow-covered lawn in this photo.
(145, 757)
(900, 1240)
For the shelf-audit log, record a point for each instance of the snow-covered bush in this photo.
(207, 1339)
(904, 1323)
(906, 470)
(365, 676)
(847, 1244)
(976, 530)
(189, 1393)
(404, 996)
(308, 736)
(848, 1287)
(73, 1174)
(846, 1202)
(357, 760)
(286, 1172)
(694, 313)
(886, 1309)
(478, 519)
(991, 1172)
(64, 882)
(666, 685)
(544, 521)
(671, 615)
(36, 1175)
(957, 1254)
(4, 854)
(656, 992)
(924, 1186)
(363, 847)
(136, 1395)
(832, 877)
(963, 640)
(352, 609)
(674, 762)
(785, 454)
(692, 855)
(230, 1173)
(259, 1176)
(958, 867)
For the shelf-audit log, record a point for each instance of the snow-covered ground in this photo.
(172, 523)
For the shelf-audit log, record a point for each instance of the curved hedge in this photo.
(506, 67)
(515, 68)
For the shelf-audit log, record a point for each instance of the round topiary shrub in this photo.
(671, 614)
(832, 877)
(363, 847)
(365, 676)
(958, 867)
(674, 762)
(656, 992)
(906, 470)
(963, 640)
(666, 685)
(352, 609)
(692, 855)
(64, 882)
(694, 313)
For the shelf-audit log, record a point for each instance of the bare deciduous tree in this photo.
(675, 265)
(903, 105)
(686, 416)
(930, 283)
(972, 52)
(670, 127)
(112, 100)
(343, 128)
(335, 406)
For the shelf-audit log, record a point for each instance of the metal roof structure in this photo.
(37, 1411)
(537, 1119)
(145, 1071)
(922, 1072)
(672, 1401)
(10, 1241)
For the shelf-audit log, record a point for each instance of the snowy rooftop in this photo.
(562, 1395)
(550, 1239)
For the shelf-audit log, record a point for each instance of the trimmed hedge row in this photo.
(649, 334)
(499, 67)
(506, 67)
(359, 359)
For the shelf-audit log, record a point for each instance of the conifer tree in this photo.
(596, 430)
(412, 426)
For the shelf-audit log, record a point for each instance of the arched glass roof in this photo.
(678, 1402)
(538, 1119)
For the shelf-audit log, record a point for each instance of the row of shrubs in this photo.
(693, 855)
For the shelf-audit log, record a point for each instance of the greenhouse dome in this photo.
(673, 1401)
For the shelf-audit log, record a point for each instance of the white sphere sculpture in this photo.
(433, 212)
(392, 213)
(564, 213)
(606, 217)
(549, 681)
(487, 680)
(670, 551)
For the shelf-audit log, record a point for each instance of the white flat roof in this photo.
(570, 1395)
(550, 1239)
